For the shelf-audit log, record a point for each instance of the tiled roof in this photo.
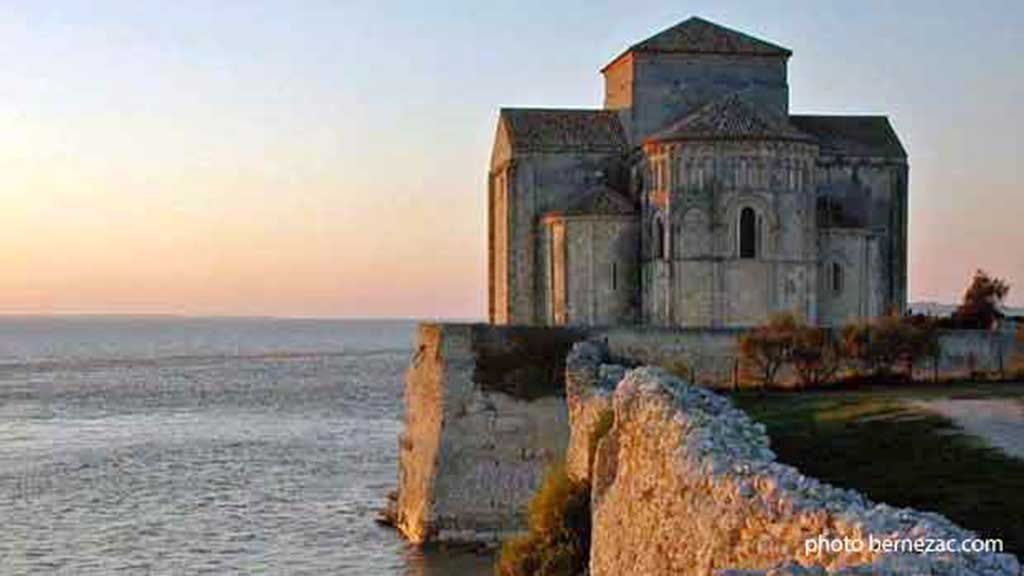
(852, 135)
(698, 36)
(600, 200)
(730, 118)
(560, 130)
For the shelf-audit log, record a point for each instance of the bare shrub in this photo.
(890, 341)
(815, 356)
(768, 348)
(558, 541)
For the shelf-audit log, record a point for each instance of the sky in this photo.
(324, 158)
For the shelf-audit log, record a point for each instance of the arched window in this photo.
(748, 233)
(659, 239)
(836, 274)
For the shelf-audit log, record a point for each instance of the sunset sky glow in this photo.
(328, 158)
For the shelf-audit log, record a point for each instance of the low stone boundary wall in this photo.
(684, 483)
(710, 356)
(966, 351)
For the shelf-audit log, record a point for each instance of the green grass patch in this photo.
(871, 441)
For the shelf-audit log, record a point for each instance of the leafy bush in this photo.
(558, 540)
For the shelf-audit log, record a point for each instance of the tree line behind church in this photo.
(881, 350)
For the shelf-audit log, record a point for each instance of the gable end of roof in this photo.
(696, 35)
(563, 130)
(731, 118)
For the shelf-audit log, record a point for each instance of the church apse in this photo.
(695, 199)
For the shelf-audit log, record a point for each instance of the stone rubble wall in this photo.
(485, 415)
(684, 483)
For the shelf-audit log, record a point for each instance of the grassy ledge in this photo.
(872, 441)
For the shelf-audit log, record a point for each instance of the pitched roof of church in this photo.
(852, 135)
(699, 36)
(564, 130)
(599, 200)
(730, 118)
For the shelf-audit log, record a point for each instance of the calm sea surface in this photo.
(184, 446)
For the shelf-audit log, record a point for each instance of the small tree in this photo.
(919, 339)
(815, 356)
(889, 341)
(980, 306)
(872, 345)
(769, 347)
(854, 343)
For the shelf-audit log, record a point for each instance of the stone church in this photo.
(694, 198)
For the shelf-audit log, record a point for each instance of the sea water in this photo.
(186, 446)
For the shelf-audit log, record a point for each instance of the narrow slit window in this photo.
(748, 233)
(837, 278)
(659, 239)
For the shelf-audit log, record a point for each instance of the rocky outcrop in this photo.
(485, 414)
(589, 384)
(681, 481)
(684, 483)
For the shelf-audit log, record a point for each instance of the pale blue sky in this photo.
(329, 158)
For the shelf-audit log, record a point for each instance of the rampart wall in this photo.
(684, 483)
(484, 416)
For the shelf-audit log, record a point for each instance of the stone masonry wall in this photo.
(684, 483)
(964, 351)
(711, 356)
(484, 416)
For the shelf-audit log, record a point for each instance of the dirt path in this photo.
(999, 422)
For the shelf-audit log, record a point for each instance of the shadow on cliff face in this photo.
(523, 362)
